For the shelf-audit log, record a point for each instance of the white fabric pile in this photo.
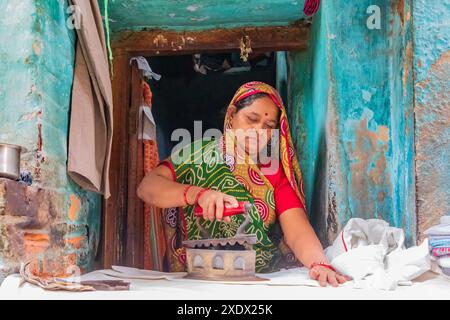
(374, 255)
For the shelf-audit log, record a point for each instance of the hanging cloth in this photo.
(91, 122)
(145, 67)
(154, 239)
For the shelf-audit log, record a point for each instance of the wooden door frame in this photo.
(122, 218)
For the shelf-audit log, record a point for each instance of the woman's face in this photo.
(256, 122)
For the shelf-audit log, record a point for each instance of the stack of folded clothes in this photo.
(439, 240)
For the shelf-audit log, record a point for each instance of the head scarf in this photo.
(243, 180)
(248, 173)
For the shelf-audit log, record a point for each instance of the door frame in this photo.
(122, 230)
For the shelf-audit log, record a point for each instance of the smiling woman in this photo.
(278, 217)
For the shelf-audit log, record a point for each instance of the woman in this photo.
(218, 173)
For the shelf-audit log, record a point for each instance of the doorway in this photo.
(171, 54)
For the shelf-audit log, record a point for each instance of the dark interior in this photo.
(183, 95)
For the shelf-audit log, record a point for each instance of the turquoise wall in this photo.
(201, 14)
(351, 104)
(36, 72)
(350, 98)
(432, 110)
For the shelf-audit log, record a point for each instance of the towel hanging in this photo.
(145, 67)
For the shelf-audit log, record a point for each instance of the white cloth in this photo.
(374, 255)
(444, 262)
(147, 123)
(442, 229)
(439, 234)
(428, 286)
(145, 67)
(290, 277)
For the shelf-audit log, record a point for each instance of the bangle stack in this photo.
(199, 194)
(185, 196)
(323, 264)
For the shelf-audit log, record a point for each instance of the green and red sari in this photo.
(205, 163)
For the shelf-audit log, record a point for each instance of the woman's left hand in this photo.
(326, 276)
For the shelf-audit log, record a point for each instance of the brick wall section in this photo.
(37, 55)
(34, 225)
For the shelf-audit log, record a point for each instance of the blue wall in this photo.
(201, 14)
(352, 109)
(37, 55)
(432, 110)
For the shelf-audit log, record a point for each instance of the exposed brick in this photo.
(76, 242)
(35, 224)
(35, 242)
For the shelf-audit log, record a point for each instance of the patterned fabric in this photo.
(208, 164)
(439, 252)
(249, 171)
(311, 7)
(216, 175)
(154, 238)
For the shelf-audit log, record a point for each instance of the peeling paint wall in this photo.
(202, 14)
(432, 110)
(36, 73)
(351, 104)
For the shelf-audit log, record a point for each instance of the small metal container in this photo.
(10, 161)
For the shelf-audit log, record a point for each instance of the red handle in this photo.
(227, 211)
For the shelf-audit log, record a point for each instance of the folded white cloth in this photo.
(374, 255)
(442, 229)
(444, 262)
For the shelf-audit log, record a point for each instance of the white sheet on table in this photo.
(428, 286)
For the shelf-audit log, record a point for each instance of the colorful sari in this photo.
(207, 163)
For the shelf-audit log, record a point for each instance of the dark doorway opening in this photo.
(184, 94)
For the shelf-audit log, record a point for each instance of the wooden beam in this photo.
(135, 215)
(114, 209)
(165, 42)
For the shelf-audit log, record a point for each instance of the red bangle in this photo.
(323, 264)
(185, 195)
(199, 195)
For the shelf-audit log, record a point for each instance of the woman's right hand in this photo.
(213, 202)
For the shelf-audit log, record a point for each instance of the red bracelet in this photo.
(185, 195)
(199, 195)
(323, 264)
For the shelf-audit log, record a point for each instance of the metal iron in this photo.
(212, 259)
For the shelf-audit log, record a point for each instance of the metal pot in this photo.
(10, 161)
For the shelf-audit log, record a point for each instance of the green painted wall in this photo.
(201, 14)
(36, 73)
